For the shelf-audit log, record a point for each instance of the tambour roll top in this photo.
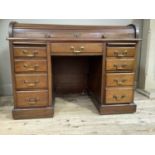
(71, 32)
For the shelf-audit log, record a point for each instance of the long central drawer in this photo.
(76, 48)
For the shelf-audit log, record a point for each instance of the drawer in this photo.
(121, 51)
(27, 99)
(36, 81)
(119, 95)
(76, 48)
(120, 79)
(120, 64)
(31, 52)
(30, 66)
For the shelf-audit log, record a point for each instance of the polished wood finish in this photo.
(119, 79)
(30, 66)
(71, 31)
(121, 51)
(31, 52)
(55, 40)
(51, 60)
(113, 64)
(31, 81)
(28, 113)
(119, 95)
(27, 99)
(76, 48)
(117, 109)
(50, 78)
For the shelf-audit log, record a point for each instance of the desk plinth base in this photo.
(117, 109)
(33, 113)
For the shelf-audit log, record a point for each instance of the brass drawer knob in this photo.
(119, 98)
(72, 48)
(32, 101)
(31, 67)
(30, 54)
(120, 66)
(30, 83)
(120, 53)
(120, 82)
(25, 51)
(82, 48)
(77, 51)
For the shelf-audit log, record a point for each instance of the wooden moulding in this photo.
(33, 113)
(117, 109)
(74, 40)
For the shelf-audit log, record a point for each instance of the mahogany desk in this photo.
(53, 60)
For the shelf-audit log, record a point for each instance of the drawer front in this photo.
(24, 81)
(32, 99)
(120, 64)
(119, 95)
(30, 52)
(121, 51)
(76, 47)
(119, 79)
(30, 66)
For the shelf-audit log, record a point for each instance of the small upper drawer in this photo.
(31, 81)
(120, 64)
(119, 95)
(27, 99)
(30, 66)
(30, 52)
(76, 48)
(121, 51)
(119, 79)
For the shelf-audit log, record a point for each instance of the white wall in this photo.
(5, 73)
(147, 59)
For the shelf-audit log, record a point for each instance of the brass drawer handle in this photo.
(31, 84)
(32, 101)
(32, 54)
(72, 48)
(120, 82)
(77, 51)
(82, 48)
(30, 67)
(119, 98)
(120, 53)
(120, 66)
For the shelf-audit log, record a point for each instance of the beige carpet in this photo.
(77, 115)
